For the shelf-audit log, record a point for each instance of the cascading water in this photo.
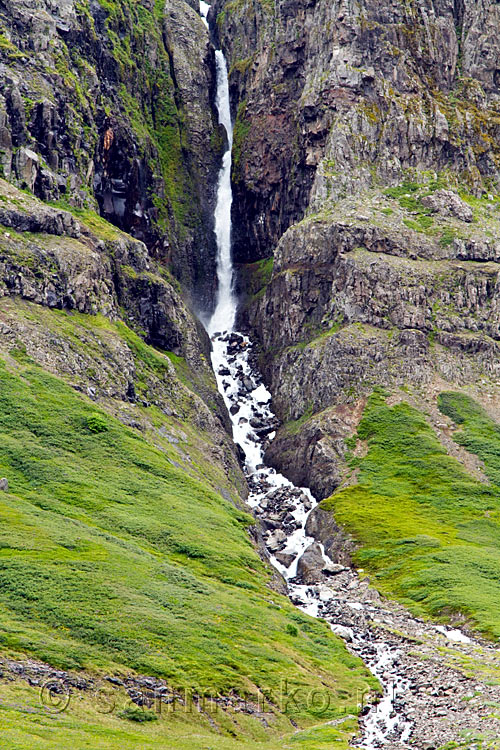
(224, 315)
(248, 402)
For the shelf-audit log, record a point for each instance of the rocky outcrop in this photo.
(54, 259)
(334, 98)
(361, 304)
(336, 543)
(448, 203)
(110, 107)
(310, 456)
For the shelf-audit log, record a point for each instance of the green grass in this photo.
(402, 191)
(84, 726)
(428, 531)
(255, 277)
(421, 223)
(447, 237)
(112, 558)
(102, 228)
(479, 434)
(405, 194)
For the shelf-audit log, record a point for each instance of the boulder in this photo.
(285, 558)
(331, 568)
(276, 540)
(448, 203)
(311, 564)
(343, 632)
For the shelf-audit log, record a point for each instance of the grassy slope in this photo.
(85, 726)
(429, 532)
(112, 558)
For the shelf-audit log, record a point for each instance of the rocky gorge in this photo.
(319, 219)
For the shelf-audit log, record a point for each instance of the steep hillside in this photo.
(130, 571)
(428, 529)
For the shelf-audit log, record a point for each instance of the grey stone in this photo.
(333, 568)
(310, 564)
(448, 203)
(276, 540)
(343, 632)
(27, 163)
(285, 558)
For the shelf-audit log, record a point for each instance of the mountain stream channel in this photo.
(439, 683)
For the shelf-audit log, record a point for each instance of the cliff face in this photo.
(109, 106)
(336, 97)
(367, 164)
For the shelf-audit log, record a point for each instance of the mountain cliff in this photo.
(366, 181)
(335, 98)
(108, 106)
(366, 235)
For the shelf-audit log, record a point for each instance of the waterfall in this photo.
(224, 315)
(253, 423)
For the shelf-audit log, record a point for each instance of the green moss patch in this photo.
(428, 532)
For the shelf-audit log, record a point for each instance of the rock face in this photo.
(335, 97)
(361, 297)
(366, 163)
(336, 543)
(50, 258)
(111, 107)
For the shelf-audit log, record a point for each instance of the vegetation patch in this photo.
(254, 277)
(140, 715)
(479, 433)
(242, 127)
(96, 423)
(428, 532)
(113, 558)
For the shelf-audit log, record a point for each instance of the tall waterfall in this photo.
(248, 403)
(224, 315)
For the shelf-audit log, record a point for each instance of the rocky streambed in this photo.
(440, 686)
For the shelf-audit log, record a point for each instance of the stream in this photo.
(340, 595)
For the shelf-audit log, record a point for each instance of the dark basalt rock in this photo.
(310, 565)
(102, 141)
(337, 544)
(308, 101)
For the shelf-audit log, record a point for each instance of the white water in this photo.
(204, 8)
(248, 402)
(224, 315)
